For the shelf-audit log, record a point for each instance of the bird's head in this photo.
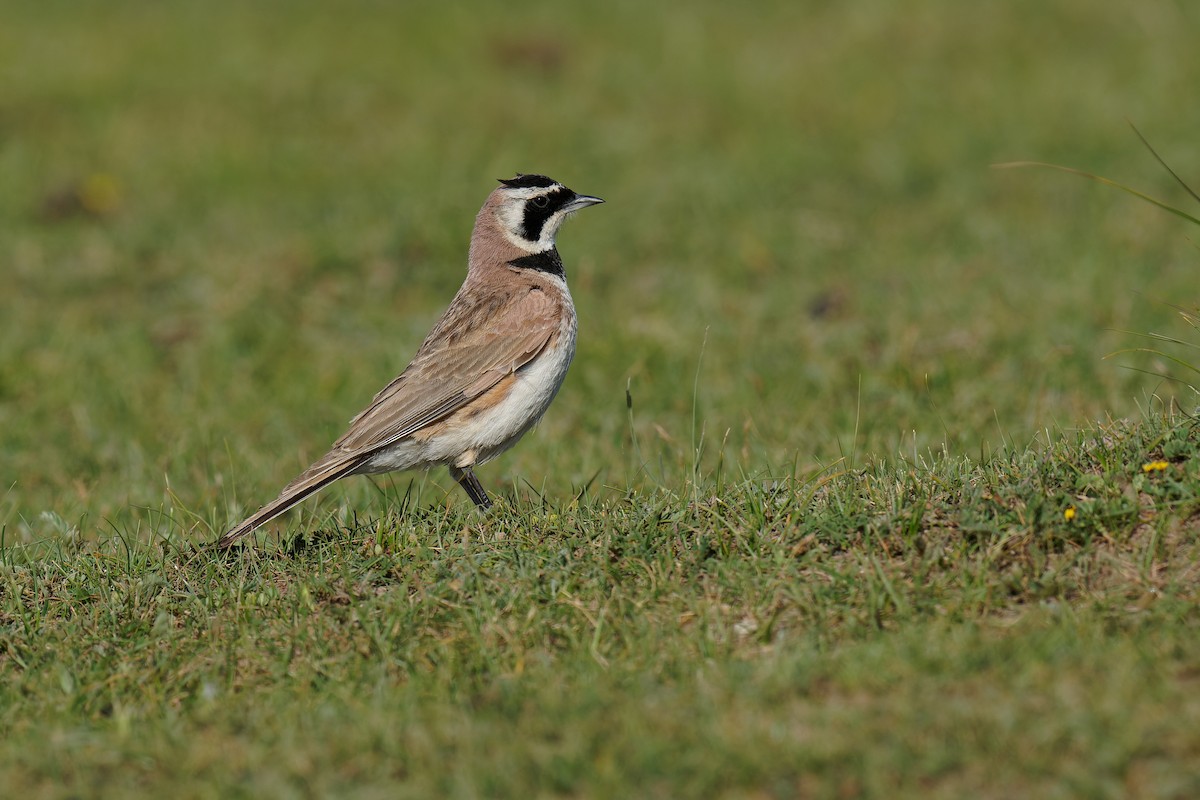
(530, 208)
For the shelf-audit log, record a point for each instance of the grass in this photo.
(797, 524)
(908, 628)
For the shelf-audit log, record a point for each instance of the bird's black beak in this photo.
(581, 201)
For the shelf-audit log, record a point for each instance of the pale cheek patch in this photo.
(512, 219)
(550, 230)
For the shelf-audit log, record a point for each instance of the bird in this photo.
(488, 369)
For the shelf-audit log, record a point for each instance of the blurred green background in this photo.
(224, 226)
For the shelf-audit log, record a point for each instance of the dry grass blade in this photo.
(1101, 179)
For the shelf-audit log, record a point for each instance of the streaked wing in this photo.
(474, 346)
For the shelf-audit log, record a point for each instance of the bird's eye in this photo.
(541, 201)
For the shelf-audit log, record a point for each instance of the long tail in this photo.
(313, 479)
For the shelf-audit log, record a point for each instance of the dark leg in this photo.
(471, 485)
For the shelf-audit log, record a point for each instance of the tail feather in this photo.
(312, 480)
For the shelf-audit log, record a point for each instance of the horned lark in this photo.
(486, 372)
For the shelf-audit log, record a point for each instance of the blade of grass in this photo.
(1159, 159)
(1141, 195)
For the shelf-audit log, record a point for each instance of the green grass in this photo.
(826, 551)
(916, 627)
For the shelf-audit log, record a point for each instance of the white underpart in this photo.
(487, 435)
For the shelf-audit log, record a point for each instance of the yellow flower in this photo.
(1154, 466)
(99, 194)
(1069, 513)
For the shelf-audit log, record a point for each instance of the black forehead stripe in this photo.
(536, 217)
(547, 261)
(528, 182)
